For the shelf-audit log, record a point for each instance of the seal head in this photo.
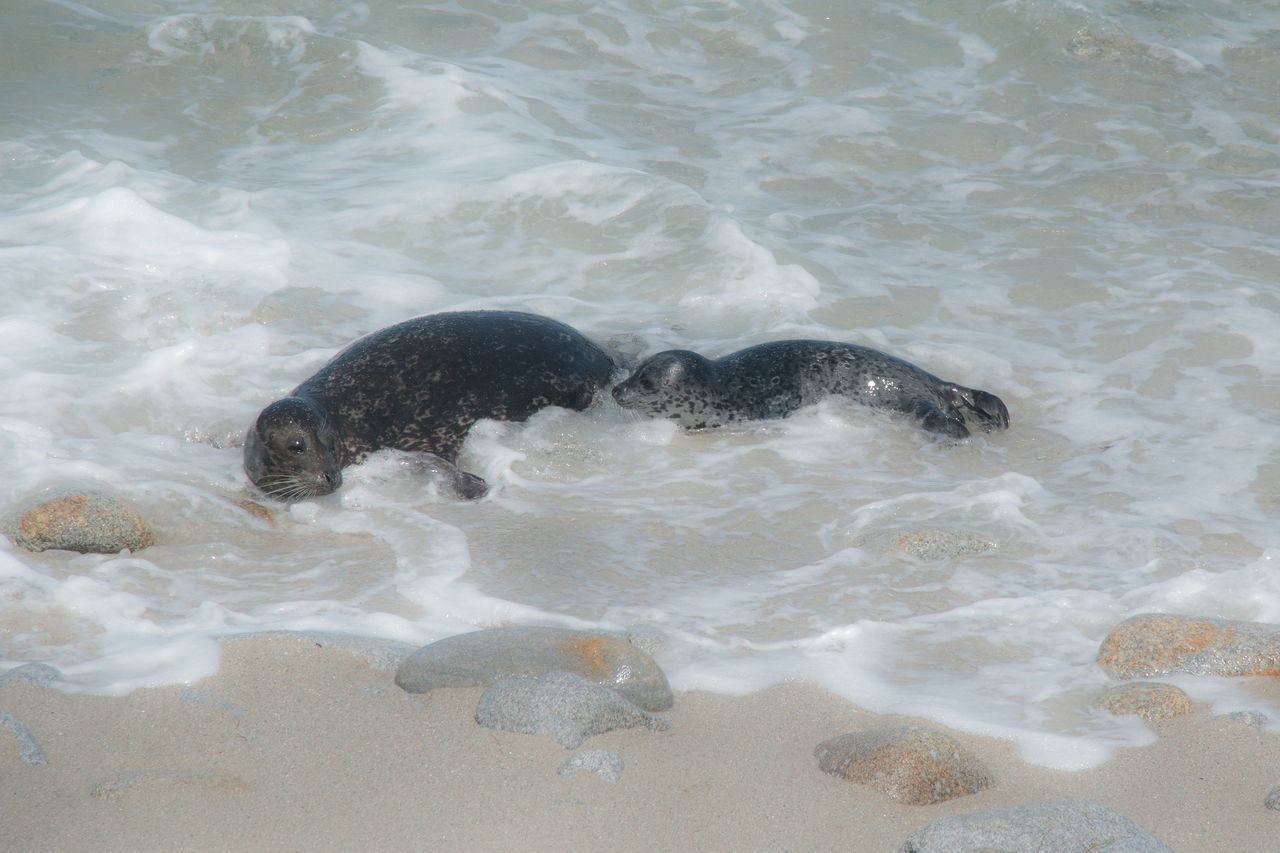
(291, 452)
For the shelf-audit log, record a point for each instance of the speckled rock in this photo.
(564, 705)
(912, 765)
(605, 763)
(939, 543)
(1065, 826)
(90, 523)
(1147, 699)
(483, 657)
(1159, 644)
(1249, 719)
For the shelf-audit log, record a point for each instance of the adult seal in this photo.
(773, 380)
(419, 386)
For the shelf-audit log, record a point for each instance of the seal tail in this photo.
(987, 409)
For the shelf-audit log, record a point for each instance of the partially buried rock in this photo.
(1055, 827)
(90, 523)
(566, 706)
(1272, 800)
(483, 657)
(1159, 644)
(606, 763)
(1147, 699)
(912, 765)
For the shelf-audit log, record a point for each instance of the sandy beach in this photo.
(291, 746)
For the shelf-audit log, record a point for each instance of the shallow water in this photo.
(1073, 206)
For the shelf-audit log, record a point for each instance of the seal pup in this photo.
(772, 380)
(419, 386)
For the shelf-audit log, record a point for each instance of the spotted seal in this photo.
(772, 380)
(419, 386)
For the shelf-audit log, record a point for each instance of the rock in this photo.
(912, 765)
(1160, 644)
(606, 763)
(377, 653)
(1272, 800)
(31, 750)
(1148, 699)
(939, 543)
(91, 523)
(483, 657)
(118, 783)
(564, 705)
(39, 674)
(1065, 826)
(1251, 719)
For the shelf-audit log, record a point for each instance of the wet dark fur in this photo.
(419, 386)
(773, 380)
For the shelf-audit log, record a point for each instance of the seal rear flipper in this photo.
(987, 409)
(454, 481)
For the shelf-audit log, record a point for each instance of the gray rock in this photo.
(39, 674)
(89, 522)
(31, 750)
(1272, 800)
(482, 657)
(606, 763)
(564, 705)
(1162, 643)
(1147, 699)
(1065, 826)
(912, 765)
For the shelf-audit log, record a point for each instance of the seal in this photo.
(419, 386)
(772, 380)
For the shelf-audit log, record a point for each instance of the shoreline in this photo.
(294, 746)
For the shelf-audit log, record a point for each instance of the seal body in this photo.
(419, 386)
(773, 380)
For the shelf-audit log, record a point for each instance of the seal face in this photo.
(773, 380)
(419, 386)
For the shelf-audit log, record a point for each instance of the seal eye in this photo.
(297, 447)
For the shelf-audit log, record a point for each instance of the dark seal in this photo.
(419, 386)
(773, 380)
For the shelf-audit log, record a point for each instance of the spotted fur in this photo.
(772, 380)
(419, 386)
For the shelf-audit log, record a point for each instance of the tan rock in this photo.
(1148, 700)
(1160, 644)
(913, 765)
(90, 523)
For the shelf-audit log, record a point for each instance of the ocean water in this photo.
(1073, 205)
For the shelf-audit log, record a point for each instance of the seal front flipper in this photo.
(987, 409)
(933, 419)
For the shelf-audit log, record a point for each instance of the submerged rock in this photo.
(90, 523)
(1160, 644)
(938, 543)
(39, 674)
(912, 765)
(1147, 699)
(1272, 800)
(566, 706)
(483, 657)
(1055, 827)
